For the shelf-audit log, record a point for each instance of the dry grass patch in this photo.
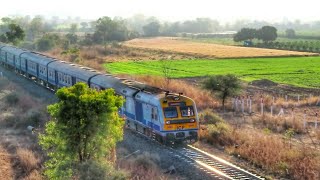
(208, 50)
(275, 155)
(6, 171)
(27, 160)
(143, 167)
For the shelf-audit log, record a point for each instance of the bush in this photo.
(219, 133)
(11, 121)
(209, 117)
(12, 98)
(33, 117)
(92, 170)
(45, 44)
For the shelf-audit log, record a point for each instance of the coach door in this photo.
(139, 111)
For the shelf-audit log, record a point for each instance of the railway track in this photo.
(212, 165)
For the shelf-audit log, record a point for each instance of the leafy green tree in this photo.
(152, 29)
(267, 34)
(223, 86)
(72, 38)
(14, 34)
(47, 42)
(85, 127)
(104, 26)
(245, 34)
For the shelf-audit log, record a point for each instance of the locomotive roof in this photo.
(81, 72)
(42, 59)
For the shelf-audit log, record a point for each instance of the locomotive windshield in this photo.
(186, 111)
(170, 112)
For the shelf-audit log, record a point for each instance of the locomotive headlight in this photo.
(192, 120)
(167, 122)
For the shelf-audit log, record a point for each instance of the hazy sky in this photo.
(168, 9)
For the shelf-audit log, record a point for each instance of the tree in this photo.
(152, 29)
(267, 34)
(290, 33)
(13, 35)
(223, 86)
(47, 42)
(245, 34)
(85, 127)
(84, 26)
(36, 26)
(103, 28)
(73, 28)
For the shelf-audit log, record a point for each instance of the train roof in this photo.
(143, 87)
(13, 50)
(78, 71)
(40, 58)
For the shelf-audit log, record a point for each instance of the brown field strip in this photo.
(208, 50)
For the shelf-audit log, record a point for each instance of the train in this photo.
(159, 114)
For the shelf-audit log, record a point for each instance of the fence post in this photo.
(233, 103)
(242, 104)
(281, 111)
(309, 100)
(316, 122)
(298, 100)
(292, 112)
(287, 103)
(250, 105)
(236, 104)
(304, 119)
(271, 109)
(261, 106)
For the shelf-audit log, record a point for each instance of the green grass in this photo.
(298, 71)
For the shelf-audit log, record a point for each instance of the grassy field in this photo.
(206, 49)
(299, 71)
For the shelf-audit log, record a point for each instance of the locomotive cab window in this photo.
(170, 112)
(187, 111)
(154, 113)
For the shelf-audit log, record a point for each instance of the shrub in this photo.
(10, 121)
(219, 133)
(91, 170)
(208, 117)
(143, 166)
(34, 175)
(12, 98)
(33, 117)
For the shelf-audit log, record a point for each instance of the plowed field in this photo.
(208, 50)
